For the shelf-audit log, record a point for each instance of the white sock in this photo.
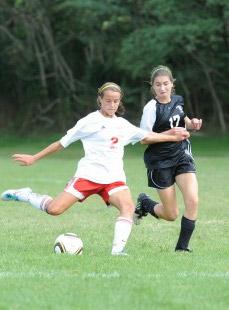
(121, 234)
(39, 201)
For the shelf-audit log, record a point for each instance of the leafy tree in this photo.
(192, 37)
(56, 53)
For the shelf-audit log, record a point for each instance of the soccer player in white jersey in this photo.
(169, 163)
(100, 171)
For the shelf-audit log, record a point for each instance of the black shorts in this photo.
(165, 177)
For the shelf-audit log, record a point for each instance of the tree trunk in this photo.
(187, 94)
(216, 101)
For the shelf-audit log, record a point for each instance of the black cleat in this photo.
(140, 209)
(184, 250)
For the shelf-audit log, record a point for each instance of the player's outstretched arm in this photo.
(27, 160)
(173, 135)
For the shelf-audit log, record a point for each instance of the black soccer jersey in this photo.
(159, 117)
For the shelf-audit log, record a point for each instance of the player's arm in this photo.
(27, 159)
(173, 135)
(73, 134)
(193, 124)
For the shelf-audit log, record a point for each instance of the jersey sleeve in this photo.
(148, 116)
(83, 128)
(133, 134)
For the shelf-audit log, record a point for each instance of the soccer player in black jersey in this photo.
(169, 163)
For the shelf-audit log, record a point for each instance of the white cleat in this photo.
(21, 194)
(122, 253)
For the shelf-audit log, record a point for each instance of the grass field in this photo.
(153, 276)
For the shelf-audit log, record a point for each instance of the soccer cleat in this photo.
(140, 209)
(122, 253)
(21, 194)
(184, 250)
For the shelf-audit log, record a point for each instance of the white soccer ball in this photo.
(68, 243)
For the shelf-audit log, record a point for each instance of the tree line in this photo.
(55, 54)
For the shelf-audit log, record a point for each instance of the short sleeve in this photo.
(84, 127)
(148, 116)
(133, 134)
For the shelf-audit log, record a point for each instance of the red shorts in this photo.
(82, 188)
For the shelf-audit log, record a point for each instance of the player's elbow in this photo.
(150, 138)
(144, 141)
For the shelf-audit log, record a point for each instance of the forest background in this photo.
(55, 54)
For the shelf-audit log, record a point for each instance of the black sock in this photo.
(187, 228)
(149, 205)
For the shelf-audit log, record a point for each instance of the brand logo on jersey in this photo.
(179, 108)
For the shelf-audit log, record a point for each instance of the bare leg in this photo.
(167, 209)
(187, 183)
(60, 204)
(42, 202)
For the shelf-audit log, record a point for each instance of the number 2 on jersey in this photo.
(114, 141)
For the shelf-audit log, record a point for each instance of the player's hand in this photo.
(196, 123)
(176, 130)
(181, 134)
(24, 159)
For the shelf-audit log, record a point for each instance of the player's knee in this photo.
(192, 203)
(172, 215)
(54, 210)
(127, 210)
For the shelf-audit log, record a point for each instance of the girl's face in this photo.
(162, 87)
(109, 101)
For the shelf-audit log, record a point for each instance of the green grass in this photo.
(153, 276)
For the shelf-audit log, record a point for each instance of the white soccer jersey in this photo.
(103, 141)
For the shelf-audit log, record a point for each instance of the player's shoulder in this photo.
(125, 124)
(150, 105)
(177, 99)
(91, 117)
(122, 120)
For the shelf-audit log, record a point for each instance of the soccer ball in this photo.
(68, 243)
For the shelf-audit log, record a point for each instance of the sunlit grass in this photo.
(153, 276)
